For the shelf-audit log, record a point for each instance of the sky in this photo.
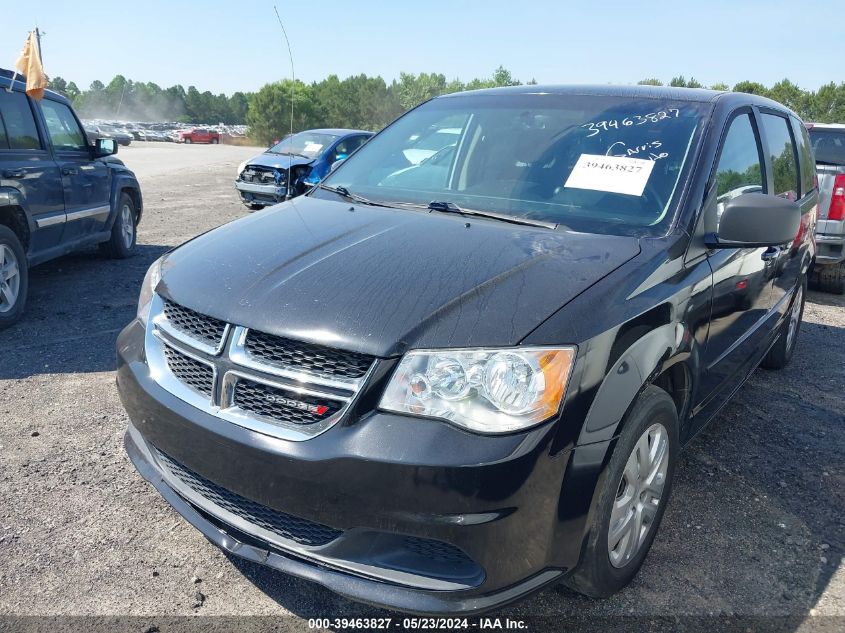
(227, 46)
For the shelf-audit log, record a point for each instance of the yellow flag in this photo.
(29, 64)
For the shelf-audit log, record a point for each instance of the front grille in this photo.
(284, 525)
(302, 356)
(204, 328)
(436, 550)
(262, 176)
(196, 375)
(282, 405)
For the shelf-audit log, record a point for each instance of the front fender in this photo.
(124, 180)
(624, 380)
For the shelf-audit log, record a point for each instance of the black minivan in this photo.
(440, 383)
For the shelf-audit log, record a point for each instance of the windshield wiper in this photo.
(345, 193)
(292, 154)
(451, 207)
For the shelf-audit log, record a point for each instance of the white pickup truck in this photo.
(828, 141)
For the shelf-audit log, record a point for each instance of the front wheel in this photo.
(187, 141)
(781, 353)
(632, 497)
(121, 244)
(214, 141)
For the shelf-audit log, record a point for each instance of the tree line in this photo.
(127, 100)
(359, 101)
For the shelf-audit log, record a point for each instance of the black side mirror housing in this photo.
(754, 220)
(105, 147)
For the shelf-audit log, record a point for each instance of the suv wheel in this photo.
(121, 244)
(187, 141)
(632, 497)
(832, 278)
(780, 354)
(14, 278)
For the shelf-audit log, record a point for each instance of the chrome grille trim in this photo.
(242, 356)
(162, 322)
(231, 363)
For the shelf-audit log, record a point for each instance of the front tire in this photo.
(831, 278)
(14, 278)
(187, 141)
(632, 498)
(124, 234)
(781, 352)
(214, 141)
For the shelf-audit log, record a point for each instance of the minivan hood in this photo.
(381, 281)
(279, 161)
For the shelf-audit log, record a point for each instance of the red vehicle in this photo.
(198, 135)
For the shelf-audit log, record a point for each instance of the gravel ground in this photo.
(755, 527)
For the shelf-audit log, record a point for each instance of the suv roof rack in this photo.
(11, 73)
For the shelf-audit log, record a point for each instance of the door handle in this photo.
(69, 171)
(770, 253)
(14, 173)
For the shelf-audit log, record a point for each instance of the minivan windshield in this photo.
(593, 163)
(308, 144)
(829, 145)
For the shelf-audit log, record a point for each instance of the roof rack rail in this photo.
(11, 73)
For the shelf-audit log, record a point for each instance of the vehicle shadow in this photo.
(77, 305)
(754, 529)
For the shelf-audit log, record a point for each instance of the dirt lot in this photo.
(755, 526)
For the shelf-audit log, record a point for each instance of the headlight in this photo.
(484, 390)
(151, 280)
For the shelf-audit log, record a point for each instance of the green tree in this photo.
(791, 96)
(72, 91)
(751, 87)
(649, 82)
(414, 89)
(269, 113)
(57, 84)
(720, 86)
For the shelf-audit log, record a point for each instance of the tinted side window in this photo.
(782, 154)
(740, 169)
(808, 163)
(18, 121)
(4, 140)
(62, 126)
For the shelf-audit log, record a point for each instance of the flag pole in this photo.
(38, 39)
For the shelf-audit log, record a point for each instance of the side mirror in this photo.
(336, 164)
(105, 147)
(755, 220)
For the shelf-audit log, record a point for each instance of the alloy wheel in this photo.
(127, 225)
(10, 278)
(794, 317)
(638, 495)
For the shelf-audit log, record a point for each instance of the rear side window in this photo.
(782, 154)
(740, 169)
(18, 122)
(62, 126)
(808, 164)
(829, 145)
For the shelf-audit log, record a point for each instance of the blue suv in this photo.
(58, 191)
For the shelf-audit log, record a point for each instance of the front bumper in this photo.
(260, 194)
(495, 499)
